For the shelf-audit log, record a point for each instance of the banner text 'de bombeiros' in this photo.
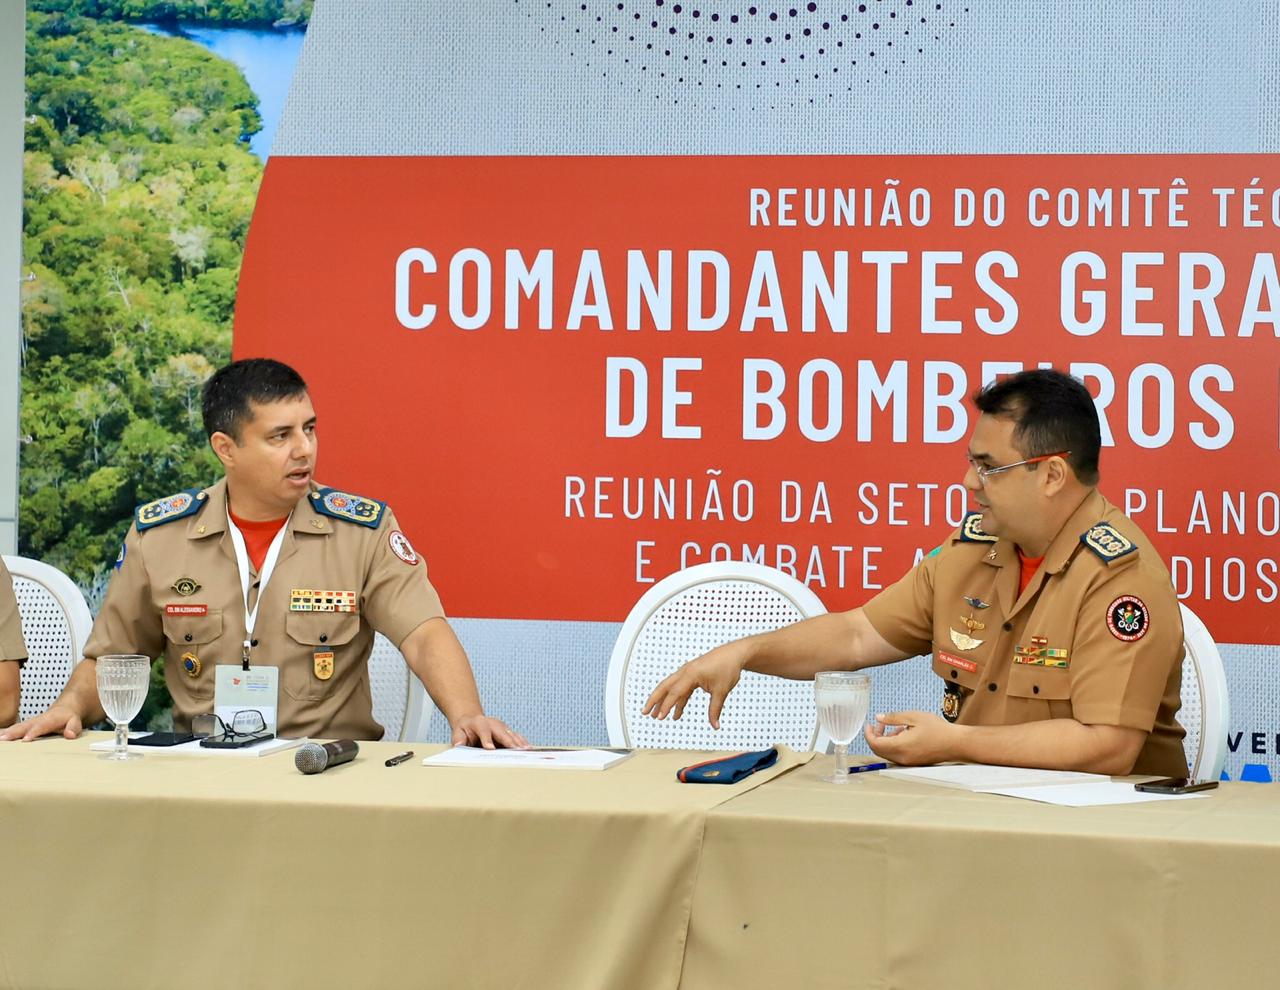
(643, 363)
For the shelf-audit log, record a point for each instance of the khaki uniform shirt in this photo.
(12, 646)
(1096, 636)
(176, 592)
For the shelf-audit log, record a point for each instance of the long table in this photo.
(200, 871)
(241, 872)
(885, 883)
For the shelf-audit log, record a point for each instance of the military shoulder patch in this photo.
(971, 530)
(167, 509)
(1107, 542)
(352, 508)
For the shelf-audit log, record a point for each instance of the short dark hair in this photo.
(1052, 412)
(229, 391)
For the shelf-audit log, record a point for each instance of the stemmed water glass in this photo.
(843, 698)
(122, 688)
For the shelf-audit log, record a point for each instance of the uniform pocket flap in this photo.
(322, 628)
(192, 624)
(1039, 683)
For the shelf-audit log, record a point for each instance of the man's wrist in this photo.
(963, 743)
(73, 707)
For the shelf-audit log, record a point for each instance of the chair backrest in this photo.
(1206, 708)
(400, 703)
(55, 626)
(685, 615)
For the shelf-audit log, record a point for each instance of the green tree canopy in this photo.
(138, 189)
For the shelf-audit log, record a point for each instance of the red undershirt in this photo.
(1029, 567)
(257, 536)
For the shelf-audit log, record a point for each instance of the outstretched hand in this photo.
(716, 673)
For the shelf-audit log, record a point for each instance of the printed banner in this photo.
(573, 376)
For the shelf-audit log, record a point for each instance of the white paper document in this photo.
(984, 777)
(539, 759)
(1091, 795)
(194, 748)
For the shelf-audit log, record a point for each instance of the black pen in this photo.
(408, 755)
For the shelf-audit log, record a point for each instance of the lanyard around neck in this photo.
(268, 566)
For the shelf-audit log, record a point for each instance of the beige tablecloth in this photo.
(888, 884)
(232, 872)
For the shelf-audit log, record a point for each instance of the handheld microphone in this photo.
(316, 758)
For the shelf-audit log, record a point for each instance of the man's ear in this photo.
(1057, 474)
(224, 447)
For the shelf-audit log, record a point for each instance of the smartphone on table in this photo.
(162, 739)
(1175, 785)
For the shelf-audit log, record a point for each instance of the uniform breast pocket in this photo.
(190, 638)
(1036, 683)
(312, 635)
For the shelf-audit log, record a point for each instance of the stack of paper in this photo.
(541, 759)
(1071, 788)
(983, 777)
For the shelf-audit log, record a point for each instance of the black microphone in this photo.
(316, 758)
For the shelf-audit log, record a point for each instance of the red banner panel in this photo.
(572, 376)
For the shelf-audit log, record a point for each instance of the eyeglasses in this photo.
(244, 723)
(983, 472)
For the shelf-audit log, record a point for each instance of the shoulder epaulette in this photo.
(1107, 542)
(971, 530)
(352, 508)
(167, 509)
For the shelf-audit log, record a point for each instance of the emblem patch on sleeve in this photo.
(402, 548)
(1127, 618)
(1105, 540)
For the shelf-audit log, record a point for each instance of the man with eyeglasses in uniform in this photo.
(1049, 616)
(197, 581)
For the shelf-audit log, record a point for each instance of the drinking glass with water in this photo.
(122, 688)
(843, 698)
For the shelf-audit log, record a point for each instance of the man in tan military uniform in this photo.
(342, 570)
(13, 650)
(317, 617)
(1049, 616)
(1089, 639)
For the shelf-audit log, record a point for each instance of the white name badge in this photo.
(236, 690)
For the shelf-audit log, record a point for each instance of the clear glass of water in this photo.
(843, 698)
(122, 688)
